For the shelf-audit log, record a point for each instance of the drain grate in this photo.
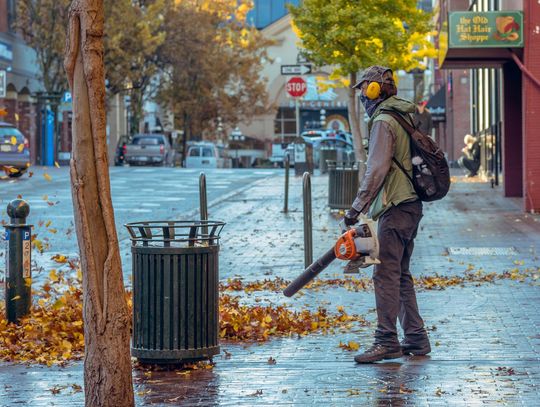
(483, 251)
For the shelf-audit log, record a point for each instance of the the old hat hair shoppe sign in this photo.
(488, 29)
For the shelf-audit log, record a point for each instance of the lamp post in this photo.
(237, 136)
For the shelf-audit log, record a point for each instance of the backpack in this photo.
(431, 175)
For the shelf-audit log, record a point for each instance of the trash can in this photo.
(342, 184)
(325, 154)
(175, 290)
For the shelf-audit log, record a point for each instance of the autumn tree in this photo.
(43, 26)
(351, 35)
(107, 361)
(211, 61)
(133, 34)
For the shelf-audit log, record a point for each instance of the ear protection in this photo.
(373, 90)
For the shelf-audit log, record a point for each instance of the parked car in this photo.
(14, 150)
(204, 155)
(120, 152)
(149, 149)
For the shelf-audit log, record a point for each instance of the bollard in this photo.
(308, 223)
(203, 201)
(287, 163)
(18, 234)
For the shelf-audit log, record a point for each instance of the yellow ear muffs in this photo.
(373, 91)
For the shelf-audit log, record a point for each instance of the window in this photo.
(285, 122)
(207, 152)
(195, 152)
(148, 141)
(11, 15)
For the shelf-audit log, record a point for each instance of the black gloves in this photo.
(351, 217)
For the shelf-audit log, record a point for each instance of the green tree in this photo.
(211, 62)
(351, 35)
(133, 34)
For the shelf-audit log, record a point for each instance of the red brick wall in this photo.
(458, 116)
(3, 16)
(531, 104)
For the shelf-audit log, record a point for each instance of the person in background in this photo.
(470, 159)
(422, 118)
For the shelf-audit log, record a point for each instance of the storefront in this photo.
(497, 41)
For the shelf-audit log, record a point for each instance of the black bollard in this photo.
(18, 261)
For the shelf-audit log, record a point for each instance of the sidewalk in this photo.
(485, 334)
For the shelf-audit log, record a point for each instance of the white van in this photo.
(204, 155)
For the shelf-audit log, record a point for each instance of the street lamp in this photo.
(236, 135)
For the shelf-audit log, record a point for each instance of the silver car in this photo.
(14, 151)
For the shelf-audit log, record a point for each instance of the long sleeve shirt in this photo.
(381, 150)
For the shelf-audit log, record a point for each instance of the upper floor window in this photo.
(11, 14)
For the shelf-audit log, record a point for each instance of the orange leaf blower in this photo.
(358, 244)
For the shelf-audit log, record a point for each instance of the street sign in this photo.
(296, 87)
(2, 84)
(66, 97)
(295, 69)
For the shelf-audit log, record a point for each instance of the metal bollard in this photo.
(18, 234)
(203, 201)
(308, 220)
(287, 163)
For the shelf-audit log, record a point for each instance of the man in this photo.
(422, 118)
(390, 198)
(470, 160)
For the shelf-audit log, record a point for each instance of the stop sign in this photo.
(296, 87)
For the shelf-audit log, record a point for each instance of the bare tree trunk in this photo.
(107, 362)
(354, 119)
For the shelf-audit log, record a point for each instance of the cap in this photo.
(375, 73)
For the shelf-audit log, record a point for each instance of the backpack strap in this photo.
(408, 128)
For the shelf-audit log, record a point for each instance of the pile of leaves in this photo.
(258, 323)
(53, 331)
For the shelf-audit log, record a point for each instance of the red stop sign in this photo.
(296, 87)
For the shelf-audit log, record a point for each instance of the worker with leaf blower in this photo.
(387, 194)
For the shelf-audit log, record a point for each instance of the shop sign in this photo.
(489, 29)
(2, 83)
(6, 51)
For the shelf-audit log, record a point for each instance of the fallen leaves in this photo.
(351, 346)
(258, 323)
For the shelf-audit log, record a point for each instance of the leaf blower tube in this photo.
(310, 273)
(359, 245)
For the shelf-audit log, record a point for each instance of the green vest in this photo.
(396, 188)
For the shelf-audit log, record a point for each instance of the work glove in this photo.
(351, 217)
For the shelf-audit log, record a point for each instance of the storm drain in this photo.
(483, 251)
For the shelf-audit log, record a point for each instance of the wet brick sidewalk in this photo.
(485, 337)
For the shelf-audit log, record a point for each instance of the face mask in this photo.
(370, 104)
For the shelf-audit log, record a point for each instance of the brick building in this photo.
(18, 76)
(493, 48)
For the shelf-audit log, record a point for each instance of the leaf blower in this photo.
(359, 245)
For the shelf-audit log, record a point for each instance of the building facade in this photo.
(18, 76)
(498, 42)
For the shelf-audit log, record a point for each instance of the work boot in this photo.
(415, 349)
(378, 352)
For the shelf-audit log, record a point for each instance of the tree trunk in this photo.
(107, 362)
(354, 119)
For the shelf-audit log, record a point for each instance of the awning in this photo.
(437, 105)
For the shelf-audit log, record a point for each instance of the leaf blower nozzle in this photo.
(359, 245)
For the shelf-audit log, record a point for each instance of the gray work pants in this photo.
(394, 288)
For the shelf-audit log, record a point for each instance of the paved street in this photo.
(140, 193)
(484, 333)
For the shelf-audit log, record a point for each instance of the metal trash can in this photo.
(342, 184)
(175, 290)
(325, 154)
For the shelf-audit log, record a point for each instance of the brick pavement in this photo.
(485, 337)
